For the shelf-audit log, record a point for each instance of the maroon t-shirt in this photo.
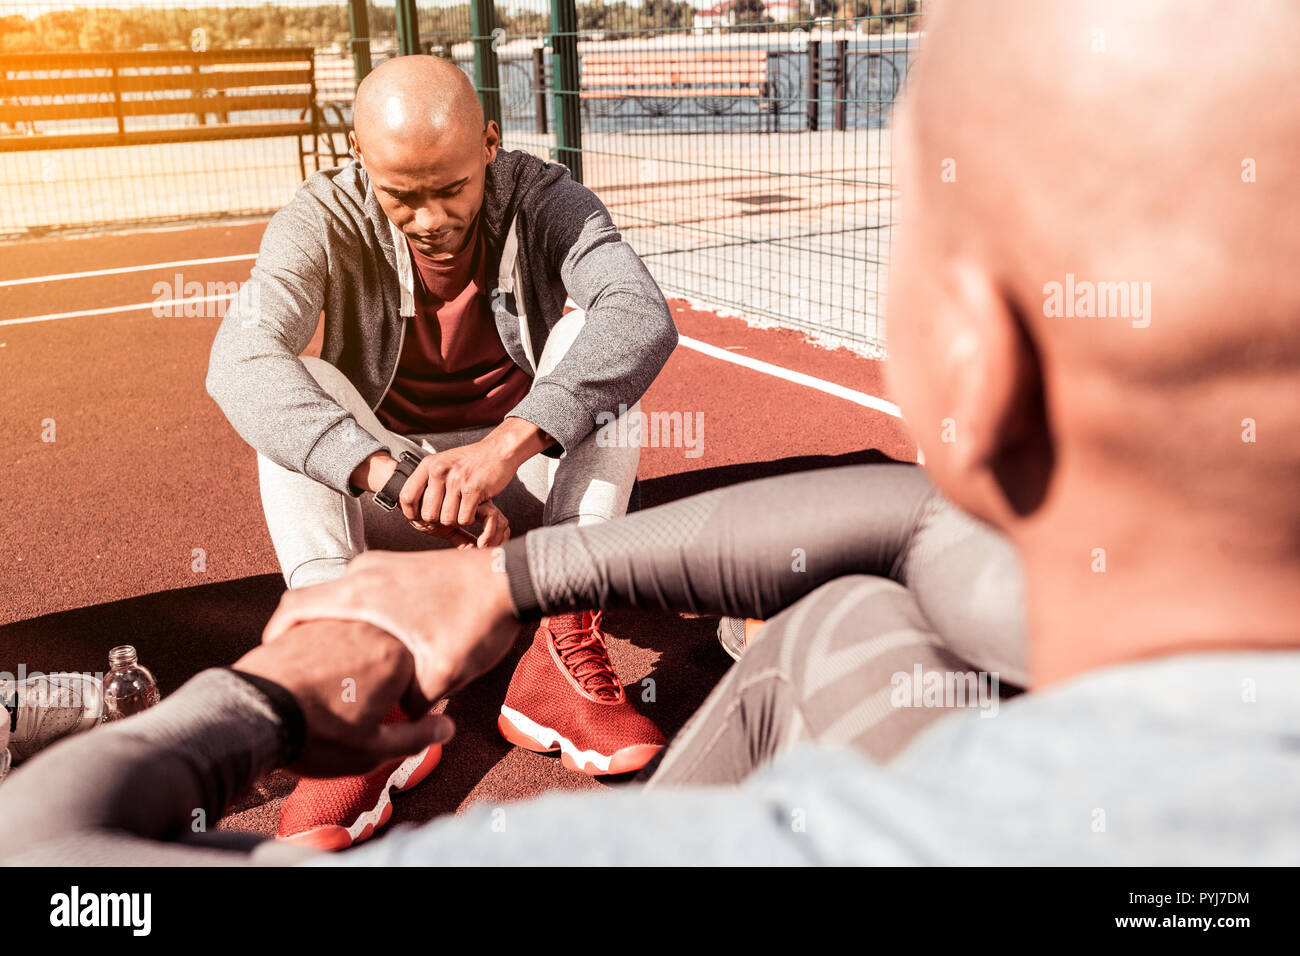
(453, 372)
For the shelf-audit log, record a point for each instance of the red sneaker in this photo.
(565, 696)
(334, 813)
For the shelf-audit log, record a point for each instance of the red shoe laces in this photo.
(584, 653)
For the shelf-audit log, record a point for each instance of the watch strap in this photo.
(386, 497)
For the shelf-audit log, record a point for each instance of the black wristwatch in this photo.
(386, 497)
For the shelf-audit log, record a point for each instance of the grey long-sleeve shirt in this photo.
(1157, 762)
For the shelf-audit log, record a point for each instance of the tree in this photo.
(876, 16)
(528, 23)
(667, 14)
(750, 15)
(593, 15)
(445, 26)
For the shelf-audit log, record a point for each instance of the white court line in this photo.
(125, 269)
(799, 378)
(114, 309)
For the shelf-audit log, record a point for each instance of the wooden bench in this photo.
(336, 88)
(660, 78)
(81, 100)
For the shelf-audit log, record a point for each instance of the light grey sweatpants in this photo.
(317, 531)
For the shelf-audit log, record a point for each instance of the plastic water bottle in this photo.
(128, 687)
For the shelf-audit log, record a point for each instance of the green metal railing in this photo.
(773, 196)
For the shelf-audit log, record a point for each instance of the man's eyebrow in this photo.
(395, 191)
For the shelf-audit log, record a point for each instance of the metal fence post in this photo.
(564, 73)
(539, 88)
(841, 85)
(117, 101)
(408, 28)
(814, 90)
(359, 27)
(487, 71)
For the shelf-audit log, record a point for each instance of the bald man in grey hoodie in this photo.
(457, 390)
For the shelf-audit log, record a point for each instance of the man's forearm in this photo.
(163, 774)
(517, 439)
(748, 550)
(373, 473)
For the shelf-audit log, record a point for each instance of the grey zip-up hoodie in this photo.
(333, 249)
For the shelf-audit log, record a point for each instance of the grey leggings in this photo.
(864, 572)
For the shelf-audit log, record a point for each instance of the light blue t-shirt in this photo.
(1189, 760)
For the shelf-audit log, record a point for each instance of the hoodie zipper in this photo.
(512, 248)
(399, 249)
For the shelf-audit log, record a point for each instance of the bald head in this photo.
(1121, 140)
(418, 131)
(1117, 176)
(415, 102)
(1092, 284)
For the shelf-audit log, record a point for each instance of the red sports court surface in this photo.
(99, 529)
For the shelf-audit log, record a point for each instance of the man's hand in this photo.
(373, 473)
(449, 487)
(496, 527)
(346, 676)
(451, 609)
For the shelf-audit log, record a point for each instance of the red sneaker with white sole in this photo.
(566, 696)
(334, 813)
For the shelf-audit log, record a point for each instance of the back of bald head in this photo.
(417, 102)
(1149, 144)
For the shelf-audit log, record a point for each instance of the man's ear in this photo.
(1001, 449)
(491, 140)
(356, 150)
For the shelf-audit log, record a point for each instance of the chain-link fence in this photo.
(743, 148)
